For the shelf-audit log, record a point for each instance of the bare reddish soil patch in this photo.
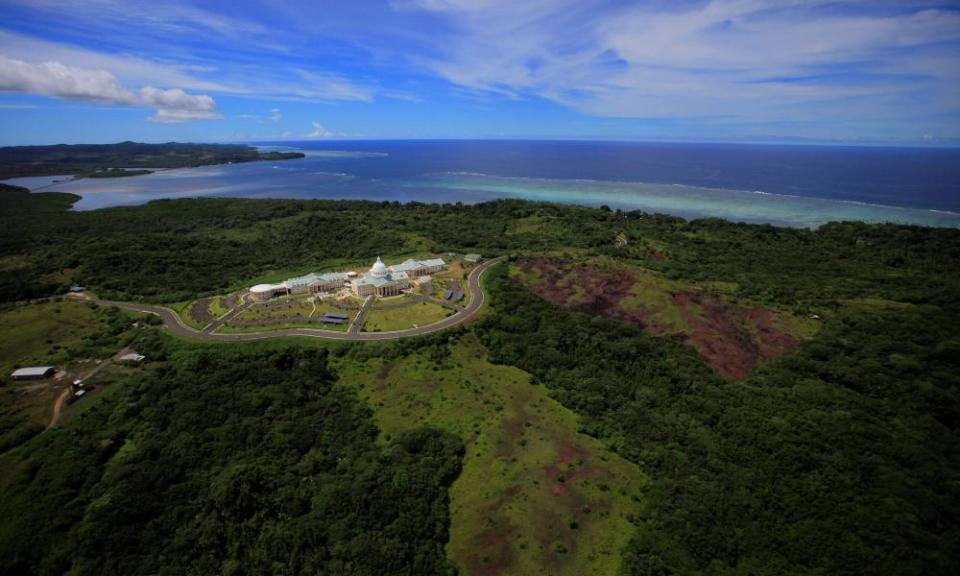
(200, 310)
(585, 287)
(732, 339)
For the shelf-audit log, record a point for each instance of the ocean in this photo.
(802, 186)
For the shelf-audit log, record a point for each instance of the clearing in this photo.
(732, 338)
(535, 497)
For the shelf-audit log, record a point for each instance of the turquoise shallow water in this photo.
(784, 188)
(696, 202)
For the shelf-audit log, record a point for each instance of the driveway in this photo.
(173, 322)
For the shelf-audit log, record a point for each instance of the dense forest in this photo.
(840, 458)
(173, 250)
(97, 160)
(225, 463)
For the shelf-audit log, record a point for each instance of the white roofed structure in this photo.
(32, 372)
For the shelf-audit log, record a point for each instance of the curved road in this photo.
(173, 322)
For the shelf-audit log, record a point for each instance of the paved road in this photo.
(361, 316)
(173, 322)
(233, 313)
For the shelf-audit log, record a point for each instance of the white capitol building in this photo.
(380, 280)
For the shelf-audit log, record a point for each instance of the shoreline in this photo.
(674, 199)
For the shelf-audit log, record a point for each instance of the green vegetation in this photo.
(110, 160)
(63, 334)
(531, 484)
(188, 312)
(251, 463)
(733, 335)
(415, 314)
(175, 250)
(591, 435)
(295, 311)
(840, 459)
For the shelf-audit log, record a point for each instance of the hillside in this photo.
(640, 395)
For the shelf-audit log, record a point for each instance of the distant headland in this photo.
(124, 158)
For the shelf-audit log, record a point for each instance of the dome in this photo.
(378, 268)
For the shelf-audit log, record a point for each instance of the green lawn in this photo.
(535, 497)
(400, 318)
(217, 307)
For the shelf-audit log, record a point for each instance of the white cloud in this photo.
(280, 84)
(325, 86)
(59, 80)
(168, 17)
(275, 115)
(55, 79)
(320, 132)
(175, 105)
(128, 69)
(748, 58)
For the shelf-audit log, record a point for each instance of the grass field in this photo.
(48, 334)
(535, 497)
(406, 317)
(651, 293)
(42, 333)
(183, 311)
(217, 307)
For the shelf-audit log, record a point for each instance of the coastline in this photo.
(336, 172)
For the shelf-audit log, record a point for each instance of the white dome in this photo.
(378, 268)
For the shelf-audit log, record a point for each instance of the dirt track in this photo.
(57, 405)
(173, 322)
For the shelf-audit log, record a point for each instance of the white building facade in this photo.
(380, 280)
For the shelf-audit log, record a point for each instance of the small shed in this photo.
(472, 258)
(132, 358)
(32, 373)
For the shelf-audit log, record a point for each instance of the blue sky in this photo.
(722, 70)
